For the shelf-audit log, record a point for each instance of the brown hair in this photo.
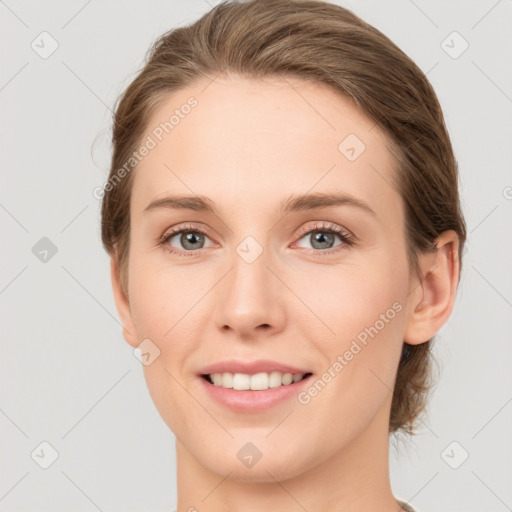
(328, 44)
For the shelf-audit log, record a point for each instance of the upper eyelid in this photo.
(325, 225)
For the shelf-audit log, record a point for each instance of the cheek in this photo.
(356, 381)
(364, 309)
(160, 297)
(170, 307)
(350, 298)
(163, 310)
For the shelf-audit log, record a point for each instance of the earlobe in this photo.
(431, 300)
(122, 305)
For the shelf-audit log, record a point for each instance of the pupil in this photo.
(323, 239)
(190, 238)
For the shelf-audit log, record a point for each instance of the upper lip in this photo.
(250, 367)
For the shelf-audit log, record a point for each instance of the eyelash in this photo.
(347, 239)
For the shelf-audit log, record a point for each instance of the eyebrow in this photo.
(302, 202)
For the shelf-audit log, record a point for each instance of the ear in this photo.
(430, 301)
(122, 305)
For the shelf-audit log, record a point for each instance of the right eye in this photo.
(189, 239)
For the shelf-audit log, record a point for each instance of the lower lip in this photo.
(253, 401)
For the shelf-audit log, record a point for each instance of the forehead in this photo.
(264, 139)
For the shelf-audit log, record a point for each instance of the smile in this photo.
(256, 382)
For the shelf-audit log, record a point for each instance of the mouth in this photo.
(244, 386)
(253, 392)
(254, 382)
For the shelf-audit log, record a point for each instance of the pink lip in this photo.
(251, 401)
(250, 367)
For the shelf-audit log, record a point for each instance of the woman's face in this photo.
(264, 277)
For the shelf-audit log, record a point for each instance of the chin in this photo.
(268, 471)
(259, 461)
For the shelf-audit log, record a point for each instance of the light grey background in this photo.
(67, 376)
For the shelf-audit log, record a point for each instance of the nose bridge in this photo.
(250, 277)
(249, 297)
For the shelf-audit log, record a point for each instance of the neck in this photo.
(352, 479)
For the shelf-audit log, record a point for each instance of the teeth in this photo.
(256, 382)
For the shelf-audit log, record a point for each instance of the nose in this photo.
(250, 298)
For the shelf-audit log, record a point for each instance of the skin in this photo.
(248, 145)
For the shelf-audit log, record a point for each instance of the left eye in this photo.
(323, 238)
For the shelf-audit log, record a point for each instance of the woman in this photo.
(283, 220)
